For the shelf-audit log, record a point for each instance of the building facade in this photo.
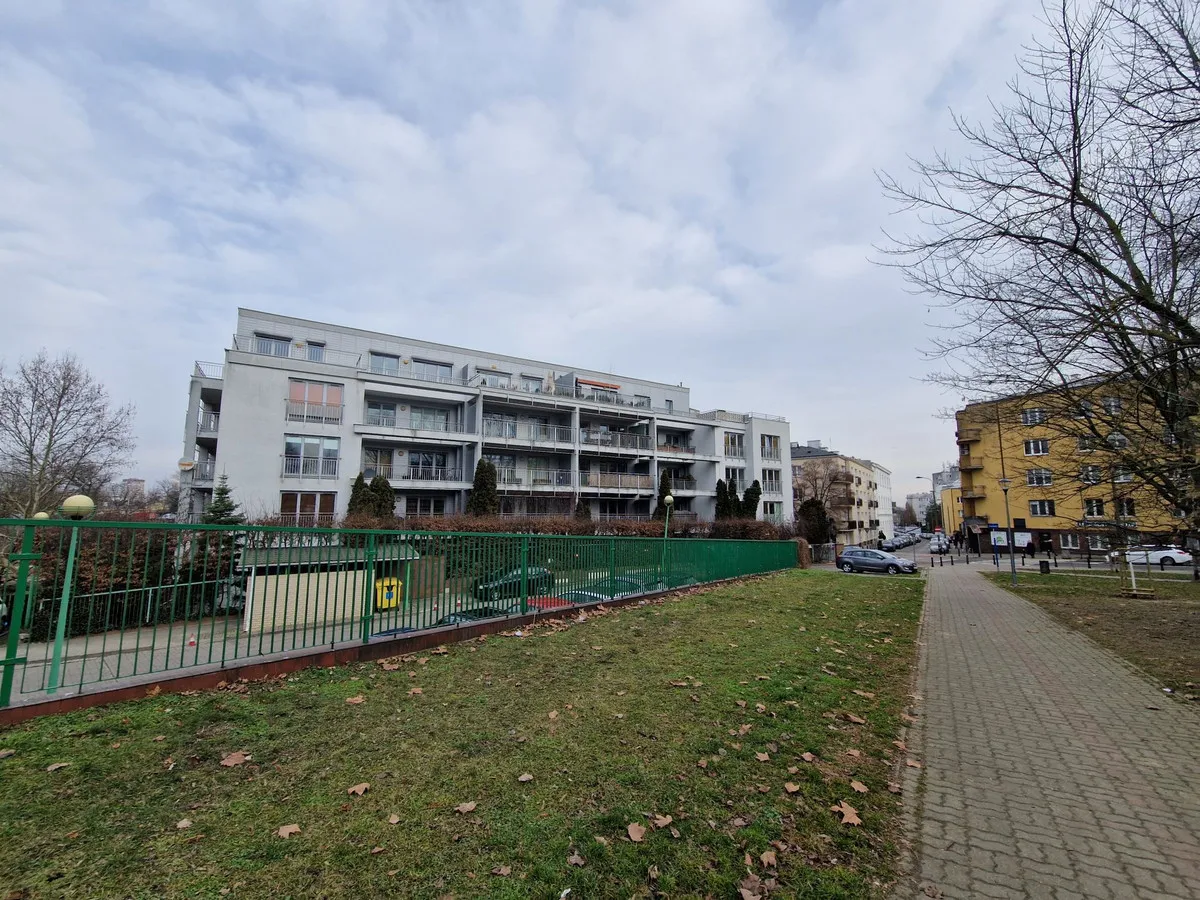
(847, 486)
(883, 500)
(298, 409)
(1065, 492)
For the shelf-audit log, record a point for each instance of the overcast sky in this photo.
(681, 191)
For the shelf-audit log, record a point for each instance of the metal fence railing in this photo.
(93, 603)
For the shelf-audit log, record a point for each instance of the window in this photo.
(772, 509)
(1039, 478)
(1097, 542)
(735, 444)
(1087, 443)
(384, 363)
(1118, 441)
(433, 371)
(531, 384)
(1033, 416)
(430, 419)
(269, 345)
(1169, 436)
(415, 506)
(297, 508)
(1112, 405)
(735, 478)
(769, 446)
(1068, 541)
(316, 351)
(495, 379)
(1093, 509)
(310, 457)
(796, 470)
(381, 413)
(1083, 410)
(1039, 447)
(1125, 508)
(506, 467)
(314, 401)
(1090, 475)
(499, 426)
(641, 400)
(1041, 507)
(772, 481)
(427, 465)
(1121, 475)
(1018, 524)
(670, 406)
(376, 461)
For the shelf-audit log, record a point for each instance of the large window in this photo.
(1125, 508)
(304, 508)
(384, 363)
(506, 467)
(316, 351)
(495, 379)
(1039, 477)
(430, 419)
(310, 457)
(1033, 416)
(1090, 475)
(531, 384)
(424, 506)
(499, 426)
(1041, 507)
(1039, 447)
(432, 371)
(1097, 542)
(1068, 541)
(381, 413)
(270, 345)
(735, 478)
(772, 482)
(427, 465)
(1093, 508)
(1118, 441)
(1087, 443)
(772, 509)
(1112, 405)
(314, 401)
(769, 445)
(1121, 475)
(735, 444)
(377, 461)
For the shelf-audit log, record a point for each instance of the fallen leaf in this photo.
(160, 737)
(287, 831)
(662, 821)
(183, 823)
(857, 754)
(116, 745)
(5, 754)
(675, 832)
(792, 770)
(791, 787)
(760, 707)
(744, 729)
(741, 703)
(652, 873)
(894, 787)
(679, 684)
(856, 719)
(229, 760)
(764, 789)
(359, 789)
(439, 651)
(412, 692)
(54, 767)
(553, 714)
(524, 778)
(375, 851)
(739, 822)
(762, 757)
(762, 677)
(597, 648)
(768, 858)
(866, 694)
(502, 871)
(622, 693)
(694, 698)
(751, 888)
(899, 745)
(466, 807)
(808, 757)
(848, 813)
(601, 840)
(168, 763)
(912, 764)
(576, 860)
(858, 787)
(702, 764)
(356, 700)
(747, 860)
(636, 832)
(393, 819)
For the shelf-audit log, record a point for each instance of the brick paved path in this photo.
(1051, 769)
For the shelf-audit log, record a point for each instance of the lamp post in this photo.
(669, 501)
(1005, 484)
(75, 508)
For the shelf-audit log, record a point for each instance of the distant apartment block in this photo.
(853, 490)
(298, 409)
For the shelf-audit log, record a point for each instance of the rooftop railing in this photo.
(209, 370)
(297, 351)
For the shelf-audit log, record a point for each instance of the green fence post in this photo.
(368, 589)
(60, 631)
(524, 574)
(17, 614)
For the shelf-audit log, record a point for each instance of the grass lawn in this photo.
(690, 717)
(1159, 636)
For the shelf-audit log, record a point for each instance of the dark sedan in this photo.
(859, 559)
(508, 584)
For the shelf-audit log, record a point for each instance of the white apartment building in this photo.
(298, 409)
(883, 500)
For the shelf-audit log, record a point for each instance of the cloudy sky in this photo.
(682, 190)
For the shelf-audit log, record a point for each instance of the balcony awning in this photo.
(599, 384)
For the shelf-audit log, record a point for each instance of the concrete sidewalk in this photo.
(1051, 768)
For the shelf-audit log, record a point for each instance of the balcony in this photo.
(772, 487)
(614, 440)
(385, 422)
(534, 479)
(298, 351)
(623, 517)
(684, 515)
(974, 494)
(966, 435)
(207, 425)
(320, 413)
(677, 448)
(309, 467)
(375, 367)
(839, 498)
(970, 463)
(770, 453)
(424, 473)
(683, 484)
(735, 452)
(842, 478)
(203, 473)
(527, 433)
(610, 398)
(309, 520)
(212, 370)
(615, 481)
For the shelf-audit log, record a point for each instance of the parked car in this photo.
(508, 584)
(860, 559)
(889, 545)
(939, 544)
(1167, 556)
(467, 616)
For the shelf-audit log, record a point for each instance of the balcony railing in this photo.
(676, 448)
(426, 473)
(405, 422)
(208, 422)
(969, 463)
(841, 499)
(611, 398)
(209, 370)
(529, 432)
(297, 351)
(970, 434)
(308, 520)
(842, 478)
(616, 440)
(615, 480)
(684, 515)
(523, 478)
(770, 453)
(623, 517)
(735, 452)
(204, 472)
(974, 494)
(683, 484)
(376, 367)
(324, 413)
(310, 467)
(772, 487)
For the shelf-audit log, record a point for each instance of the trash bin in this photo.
(1044, 566)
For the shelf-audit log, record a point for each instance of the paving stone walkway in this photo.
(1051, 768)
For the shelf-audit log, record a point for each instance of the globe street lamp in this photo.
(668, 501)
(1005, 484)
(76, 508)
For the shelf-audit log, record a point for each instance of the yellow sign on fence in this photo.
(388, 592)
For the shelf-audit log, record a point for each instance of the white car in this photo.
(1167, 556)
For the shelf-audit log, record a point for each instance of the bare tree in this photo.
(163, 497)
(1066, 245)
(817, 479)
(59, 434)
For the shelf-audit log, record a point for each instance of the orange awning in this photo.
(599, 384)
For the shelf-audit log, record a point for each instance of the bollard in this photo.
(1056, 560)
(941, 560)
(952, 562)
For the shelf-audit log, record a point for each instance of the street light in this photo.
(1005, 484)
(668, 501)
(41, 515)
(76, 508)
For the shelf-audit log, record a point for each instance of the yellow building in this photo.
(1067, 491)
(950, 499)
(847, 487)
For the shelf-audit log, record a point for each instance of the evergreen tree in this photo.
(664, 488)
(382, 498)
(750, 500)
(722, 500)
(815, 525)
(484, 501)
(223, 510)
(362, 500)
(583, 510)
(734, 502)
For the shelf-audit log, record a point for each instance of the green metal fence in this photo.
(93, 602)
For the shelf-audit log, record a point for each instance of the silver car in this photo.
(860, 559)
